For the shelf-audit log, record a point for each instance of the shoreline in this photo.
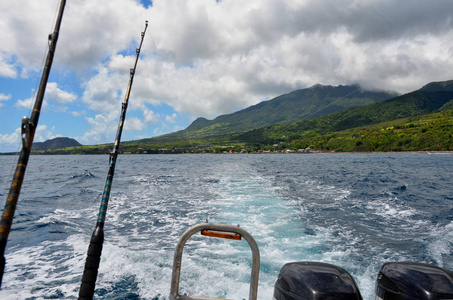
(242, 153)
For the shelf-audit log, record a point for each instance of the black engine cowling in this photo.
(315, 281)
(406, 280)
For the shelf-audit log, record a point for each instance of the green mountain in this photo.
(430, 98)
(301, 104)
(420, 120)
(56, 143)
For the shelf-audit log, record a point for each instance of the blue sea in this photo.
(356, 211)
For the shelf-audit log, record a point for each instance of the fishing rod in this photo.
(29, 126)
(97, 238)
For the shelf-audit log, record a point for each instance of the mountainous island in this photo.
(56, 143)
(321, 118)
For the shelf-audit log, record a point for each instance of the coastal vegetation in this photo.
(430, 132)
(375, 121)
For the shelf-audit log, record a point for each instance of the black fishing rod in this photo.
(97, 238)
(29, 126)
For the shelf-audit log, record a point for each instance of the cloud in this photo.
(10, 139)
(102, 92)
(88, 34)
(105, 28)
(220, 56)
(150, 116)
(6, 68)
(4, 97)
(24, 35)
(171, 119)
(100, 131)
(225, 56)
(53, 93)
(12, 142)
(27, 103)
(77, 113)
(132, 124)
(42, 134)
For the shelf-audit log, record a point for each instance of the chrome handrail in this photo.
(174, 291)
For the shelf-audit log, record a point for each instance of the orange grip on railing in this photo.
(221, 235)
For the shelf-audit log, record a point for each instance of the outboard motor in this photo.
(406, 280)
(315, 281)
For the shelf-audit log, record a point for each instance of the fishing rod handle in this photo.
(93, 259)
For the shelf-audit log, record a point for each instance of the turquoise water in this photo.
(353, 210)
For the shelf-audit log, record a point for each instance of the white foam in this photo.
(43, 271)
(148, 213)
(441, 245)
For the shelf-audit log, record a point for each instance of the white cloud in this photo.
(76, 113)
(132, 124)
(4, 97)
(25, 26)
(12, 142)
(87, 34)
(26, 103)
(42, 134)
(150, 116)
(10, 139)
(223, 56)
(6, 68)
(101, 129)
(94, 31)
(102, 92)
(171, 119)
(55, 94)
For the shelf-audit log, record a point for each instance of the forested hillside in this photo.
(56, 143)
(418, 121)
(431, 98)
(285, 109)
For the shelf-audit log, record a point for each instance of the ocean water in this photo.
(356, 211)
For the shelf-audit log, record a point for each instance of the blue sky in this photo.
(205, 58)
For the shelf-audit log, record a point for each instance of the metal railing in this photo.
(217, 230)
